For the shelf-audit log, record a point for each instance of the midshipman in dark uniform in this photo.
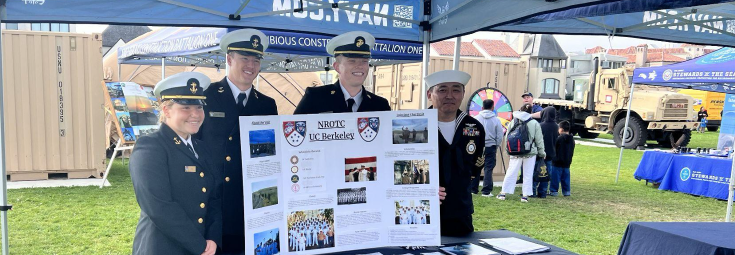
(227, 100)
(180, 208)
(461, 145)
(351, 51)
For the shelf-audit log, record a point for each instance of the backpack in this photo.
(518, 141)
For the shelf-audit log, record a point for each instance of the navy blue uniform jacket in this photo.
(179, 206)
(459, 162)
(221, 133)
(330, 99)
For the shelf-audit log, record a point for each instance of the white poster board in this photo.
(334, 182)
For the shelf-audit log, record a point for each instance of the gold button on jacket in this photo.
(201, 220)
(227, 179)
(201, 205)
(228, 158)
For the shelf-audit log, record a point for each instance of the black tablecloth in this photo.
(701, 238)
(472, 238)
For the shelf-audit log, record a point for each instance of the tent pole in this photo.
(731, 192)
(118, 71)
(425, 67)
(257, 82)
(625, 132)
(227, 69)
(457, 47)
(3, 172)
(163, 68)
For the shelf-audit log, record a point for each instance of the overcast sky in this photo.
(568, 42)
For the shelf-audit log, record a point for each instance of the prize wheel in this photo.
(502, 108)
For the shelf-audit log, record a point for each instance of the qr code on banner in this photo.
(730, 26)
(402, 11)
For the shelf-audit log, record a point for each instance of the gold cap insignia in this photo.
(193, 83)
(359, 42)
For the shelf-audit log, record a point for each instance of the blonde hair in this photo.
(161, 115)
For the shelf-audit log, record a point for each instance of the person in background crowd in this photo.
(493, 138)
(702, 116)
(536, 110)
(527, 161)
(535, 113)
(562, 161)
(550, 131)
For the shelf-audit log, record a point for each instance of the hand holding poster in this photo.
(336, 182)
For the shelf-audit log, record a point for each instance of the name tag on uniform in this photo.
(190, 169)
(217, 114)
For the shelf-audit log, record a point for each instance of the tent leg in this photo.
(731, 192)
(163, 68)
(109, 164)
(457, 47)
(625, 132)
(3, 172)
(425, 67)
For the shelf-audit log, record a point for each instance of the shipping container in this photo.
(54, 115)
(401, 85)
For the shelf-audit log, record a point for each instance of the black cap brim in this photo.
(248, 53)
(352, 55)
(188, 101)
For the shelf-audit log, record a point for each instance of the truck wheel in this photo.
(712, 129)
(684, 136)
(636, 133)
(584, 133)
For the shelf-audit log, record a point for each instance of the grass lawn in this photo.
(703, 140)
(89, 220)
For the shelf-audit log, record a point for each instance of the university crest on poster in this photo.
(368, 128)
(295, 132)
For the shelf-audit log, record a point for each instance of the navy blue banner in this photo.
(690, 174)
(390, 19)
(173, 42)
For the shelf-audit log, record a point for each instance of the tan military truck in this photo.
(600, 108)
